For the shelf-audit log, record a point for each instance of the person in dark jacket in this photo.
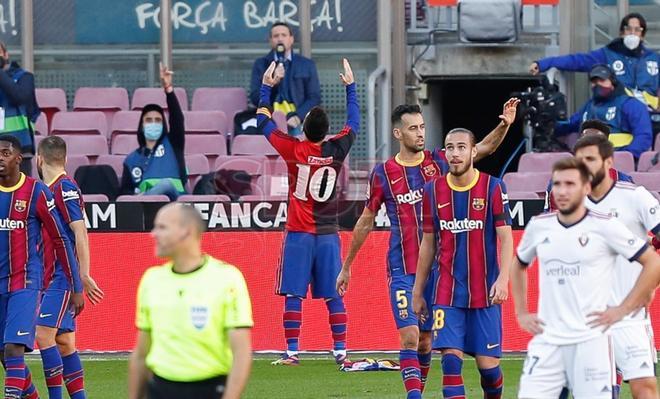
(18, 99)
(300, 89)
(634, 65)
(158, 165)
(627, 117)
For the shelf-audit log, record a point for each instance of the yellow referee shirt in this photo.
(189, 317)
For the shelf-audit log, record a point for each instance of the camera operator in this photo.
(627, 117)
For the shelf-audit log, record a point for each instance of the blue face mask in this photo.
(152, 131)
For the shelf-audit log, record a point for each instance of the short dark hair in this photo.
(473, 138)
(605, 148)
(596, 125)
(53, 150)
(16, 143)
(400, 110)
(316, 124)
(573, 163)
(627, 18)
(280, 23)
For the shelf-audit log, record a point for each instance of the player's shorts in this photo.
(634, 350)
(18, 317)
(586, 368)
(401, 288)
(309, 259)
(55, 312)
(477, 332)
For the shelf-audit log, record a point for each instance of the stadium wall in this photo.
(119, 259)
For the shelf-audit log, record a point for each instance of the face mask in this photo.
(601, 93)
(631, 41)
(153, 131)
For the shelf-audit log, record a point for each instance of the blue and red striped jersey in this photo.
(550, 205)
(400, 187)
(69, 203)
(24, 209)
(464, 219)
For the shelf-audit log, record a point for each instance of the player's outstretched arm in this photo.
(94, 293)
(138, 373)
(500, 290)
(241, 347)
(527, 321)
(426, 253)
(492, 141)
(361, 231)
(352, 106)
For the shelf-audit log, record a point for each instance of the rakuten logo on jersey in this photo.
(461, 226)
(7, 224)
(411, 197)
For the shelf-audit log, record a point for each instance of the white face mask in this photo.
(631, 41)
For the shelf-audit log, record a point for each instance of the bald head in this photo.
(186, 215)
(177, 227)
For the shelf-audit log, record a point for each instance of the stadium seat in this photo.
(79, 123)
(143, 198)
(253, 165)
(108, 100)
(51, 101)
(124, 144)
(73, 162)
(41, 125)
(540, 161)
(95, 198)
(156, 95)
(519, 195)
(230, 100)
(273, 186)
(196, 166)
(203, 198)
(210, 146)
(280, 120)
(114, 161)
(252, 145)
(90, 146)
(624, 161)
(649, 180)
(656, 146)
(533, 182)
(124, 122)
(205, 122)
(649, 162)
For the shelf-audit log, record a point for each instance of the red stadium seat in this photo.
(125, 122)
(649, 161)
(156, 95)
(143, 198)
(253, 165)
(41, 125)
(203, 198)
(196, 166)
(230, 100)
(114, 161)
(211, 146)
(205, 122)
(75, 161)
(79, 123)
(90, 146)
(108, 100)
(252, 145)
(540, 2)
(540, 161)
(518, 195)
(442, 3)
(51, 101)
(624, 161)
(124, 144)
(650, 180)
(527, 182)
(656, 146)
(95, 198)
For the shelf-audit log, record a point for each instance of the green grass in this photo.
(105, 378)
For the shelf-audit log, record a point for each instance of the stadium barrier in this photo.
(122, 249)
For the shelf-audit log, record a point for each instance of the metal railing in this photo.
(379, 77)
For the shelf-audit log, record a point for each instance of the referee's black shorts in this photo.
(160, 388)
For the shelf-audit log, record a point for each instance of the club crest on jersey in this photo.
(611, 113)
(20, 205)
(583, 240)
(652, 67)
(478, 204)
(429, 170)
(403, 314)
(199, 316)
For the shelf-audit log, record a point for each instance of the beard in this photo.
(459, 170)
(598, 177)
(414, 148)
(571, 208)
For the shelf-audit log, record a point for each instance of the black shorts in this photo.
(160, 388)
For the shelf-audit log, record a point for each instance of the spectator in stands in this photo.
(18, 99)
(158, 165)
(627, 117)
(300, 90)
(635, 66)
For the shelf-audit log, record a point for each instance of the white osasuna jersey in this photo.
(639, 211)
(576, 270)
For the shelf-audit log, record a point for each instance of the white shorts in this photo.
(634, 351)
(586, 368)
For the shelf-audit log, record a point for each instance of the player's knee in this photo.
(454, 352)
(487, 362)
(425, 342)
(644, 388)
(409, 337)
(66, 344)
(14, 350)
(45, 337)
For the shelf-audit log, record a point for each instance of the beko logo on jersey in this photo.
(69, 195)
(460, 226)
(412, 197)
(7, 224)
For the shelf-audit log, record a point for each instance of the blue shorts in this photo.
(401, 288)
(477, 332)
(309, 259)
(18, 317)
(55, 312)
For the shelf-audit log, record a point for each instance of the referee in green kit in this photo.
(194, 318)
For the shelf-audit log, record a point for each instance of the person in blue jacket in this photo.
(627, 117)
(634, 65)
(158, 165)
(299, 90)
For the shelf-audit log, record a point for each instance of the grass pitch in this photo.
(105, 378)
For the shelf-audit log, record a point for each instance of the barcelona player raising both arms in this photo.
(26, 206)
(311, 252)
(399, 184)
(464, 214)
(56, 326)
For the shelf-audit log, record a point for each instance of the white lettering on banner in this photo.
(461, 226)
(519, 211)
(7, 224)
(257, 220)
(205, 16)
(100, 215)
(280, 218)
(8, 17)
(241, 215)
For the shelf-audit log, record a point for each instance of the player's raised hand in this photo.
(165, 77)
(271, 78)
(94, 293)
(534, 68)
(499, 292)
(77, 303)
(531, 323)
(347, 77)
(509, 112)
(342, 281)
(606, 318)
